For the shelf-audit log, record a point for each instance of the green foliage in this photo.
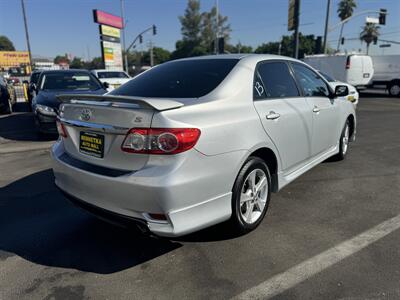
(160, 55)
(6, 44)
(209, 28)
(307, 46)
(61, 59)
(369, 32)
(238, 48)
(346, 8)
(77, 63)
(191, 22)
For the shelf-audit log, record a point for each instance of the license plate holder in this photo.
(91, 143)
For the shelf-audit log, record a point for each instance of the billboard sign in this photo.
(104, 18)
(110, 31)
(14, 58)
(112, 55)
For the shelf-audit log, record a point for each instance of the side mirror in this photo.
(106, 85)
(341, 91)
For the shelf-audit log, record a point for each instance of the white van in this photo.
(387, 73)
(354, 69)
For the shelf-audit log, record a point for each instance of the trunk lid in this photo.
(97, 125)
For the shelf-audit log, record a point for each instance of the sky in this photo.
(66, 26)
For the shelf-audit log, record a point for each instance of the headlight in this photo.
(45, 110)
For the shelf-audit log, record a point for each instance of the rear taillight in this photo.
(160, 140)
(61, 129)
(348, 64)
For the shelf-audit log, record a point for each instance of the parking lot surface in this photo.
(51, 250)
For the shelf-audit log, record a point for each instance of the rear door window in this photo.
(192, 78)
(274, 80)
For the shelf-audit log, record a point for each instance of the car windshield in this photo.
(70, 81)
(179, 79)
(102, 75)
(327, 77)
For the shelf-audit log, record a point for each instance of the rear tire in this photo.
(343, 142)
(250, 196)
(394, 89)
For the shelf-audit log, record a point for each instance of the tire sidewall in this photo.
(251, 164)
(341, 154)
(390, 88)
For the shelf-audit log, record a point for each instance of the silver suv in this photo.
(198, 141)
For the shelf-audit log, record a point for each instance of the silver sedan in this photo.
(199, 141)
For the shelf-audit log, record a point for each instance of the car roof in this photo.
(64, 71)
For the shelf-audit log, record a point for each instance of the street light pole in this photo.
(296, 29)
(123, 36)
(328, 9)
(217, 27)
(27, 35)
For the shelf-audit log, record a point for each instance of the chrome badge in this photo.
(86, 114)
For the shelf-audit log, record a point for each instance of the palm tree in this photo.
(345, 10)
(369, 33)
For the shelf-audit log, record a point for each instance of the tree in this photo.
(369, 33)
(210, 24)
(160, 55)
(6, 44)
(307, 46)
(190, 45)
(191, 21)
(96, 63)
(345, 10)
(61, 59)
(238, 48)
(77, 63)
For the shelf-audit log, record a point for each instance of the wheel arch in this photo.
(352, 123)
(270, 158)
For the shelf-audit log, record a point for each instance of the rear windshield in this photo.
(111, 75)
(179, 79)
(69, 81)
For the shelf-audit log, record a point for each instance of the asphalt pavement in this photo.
(331, 234)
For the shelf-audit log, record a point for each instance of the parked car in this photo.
(387, 73)
(353, 95)
(198, 141)
(113, 78)
(354, 69)
(52, 83)
(6, 105)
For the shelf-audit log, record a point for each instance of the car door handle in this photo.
(273, 115)
(316, 109)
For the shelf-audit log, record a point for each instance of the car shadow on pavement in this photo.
(21, 127)
(38, 224)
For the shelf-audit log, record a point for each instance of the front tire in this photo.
(251, 195)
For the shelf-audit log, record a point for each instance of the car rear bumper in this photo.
(192, 194)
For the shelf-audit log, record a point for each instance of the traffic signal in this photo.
(140, 39)
(375, 40)
(318, 45)
(342, 42)
(382, 16)
(154, 30)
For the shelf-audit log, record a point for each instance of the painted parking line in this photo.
(301, 272)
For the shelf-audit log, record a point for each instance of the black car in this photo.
(52, 83)
(5, 101)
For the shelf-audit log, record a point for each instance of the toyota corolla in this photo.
(198, 141)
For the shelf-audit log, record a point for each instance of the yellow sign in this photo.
(13, 58)
(110, 31)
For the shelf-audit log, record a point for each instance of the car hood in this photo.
(48, 98)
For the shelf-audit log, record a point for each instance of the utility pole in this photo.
(328, 9)
(126, 68)
(217, 25)
(27, 35)
(151, 53)
(296, 29)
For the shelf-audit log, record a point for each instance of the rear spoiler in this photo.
(152, 103)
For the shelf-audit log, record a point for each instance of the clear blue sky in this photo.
(66, 26)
